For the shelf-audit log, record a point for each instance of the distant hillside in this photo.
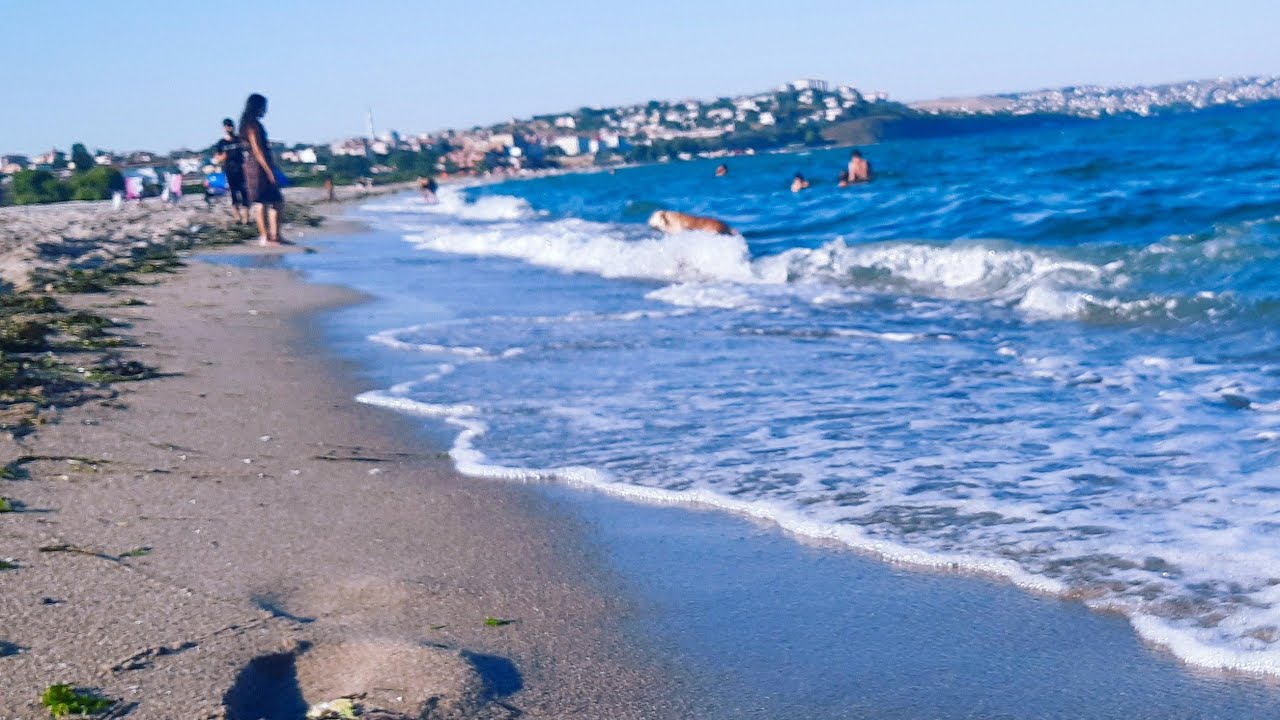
(866, 130)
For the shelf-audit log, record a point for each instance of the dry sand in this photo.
(239, 539)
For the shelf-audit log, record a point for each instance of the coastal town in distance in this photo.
(802, 113)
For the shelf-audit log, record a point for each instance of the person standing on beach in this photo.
(261, 186)
(173, 187)
(859, 168)
(228, 153)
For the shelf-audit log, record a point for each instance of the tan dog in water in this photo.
(670, 221)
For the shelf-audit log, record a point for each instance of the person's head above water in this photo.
(856, 154)
(254, 107)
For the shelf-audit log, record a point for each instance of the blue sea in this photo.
(1049, 356)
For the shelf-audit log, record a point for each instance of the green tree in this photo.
(81, 158)
(96, 184)
(59, 160)
(425, 163)
(349, 167)
(38, 186)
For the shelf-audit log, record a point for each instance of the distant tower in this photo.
(368, 119)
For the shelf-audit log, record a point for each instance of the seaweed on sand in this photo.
(63, 700)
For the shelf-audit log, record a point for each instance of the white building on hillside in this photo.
(807, 84)
(10, 164)
(570, 144)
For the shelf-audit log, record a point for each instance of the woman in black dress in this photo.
(261, 186)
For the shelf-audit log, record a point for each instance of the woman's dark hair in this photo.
(254, 108)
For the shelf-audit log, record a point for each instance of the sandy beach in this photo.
(236, 538)
(206, 524)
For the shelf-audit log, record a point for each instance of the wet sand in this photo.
(761, 624)
(236, 538)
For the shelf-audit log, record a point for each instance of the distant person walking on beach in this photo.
(427, 186)
(799, 183)
(173, 187)
(261, 186)
(859, 168)
(228, 153)
(328, 187)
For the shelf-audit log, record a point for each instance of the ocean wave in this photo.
(1234, 634)
(1095, 284)
(581, 246)
(452, 202)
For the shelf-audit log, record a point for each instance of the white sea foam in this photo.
(471, 461)
(581, 246)
(898, 337)
(452, 202)
(706, 295)
(1041, 283)
(1038, 282)
(392, 339)
(1054, 462)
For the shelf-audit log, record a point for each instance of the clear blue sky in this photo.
(161, 75)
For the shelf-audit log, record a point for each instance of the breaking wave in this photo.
(716, 271)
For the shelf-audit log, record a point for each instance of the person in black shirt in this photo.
(230, 155)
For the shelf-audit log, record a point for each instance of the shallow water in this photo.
(1048, 356)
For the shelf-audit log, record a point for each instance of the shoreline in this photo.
(621, 610)
(1107, 628)
(237, 533)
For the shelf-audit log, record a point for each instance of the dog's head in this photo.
(659, 221)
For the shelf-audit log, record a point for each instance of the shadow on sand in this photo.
(266, 689)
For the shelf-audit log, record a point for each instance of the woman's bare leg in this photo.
(273, 220)
(260, 213)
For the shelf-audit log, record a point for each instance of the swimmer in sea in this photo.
(842, 180)
(859, 168)
(798, 183)
(722, 170)
(427, 186)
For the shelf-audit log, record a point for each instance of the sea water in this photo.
(1049, 356)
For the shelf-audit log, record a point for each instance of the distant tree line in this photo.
(396, 166)
(88, 181)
